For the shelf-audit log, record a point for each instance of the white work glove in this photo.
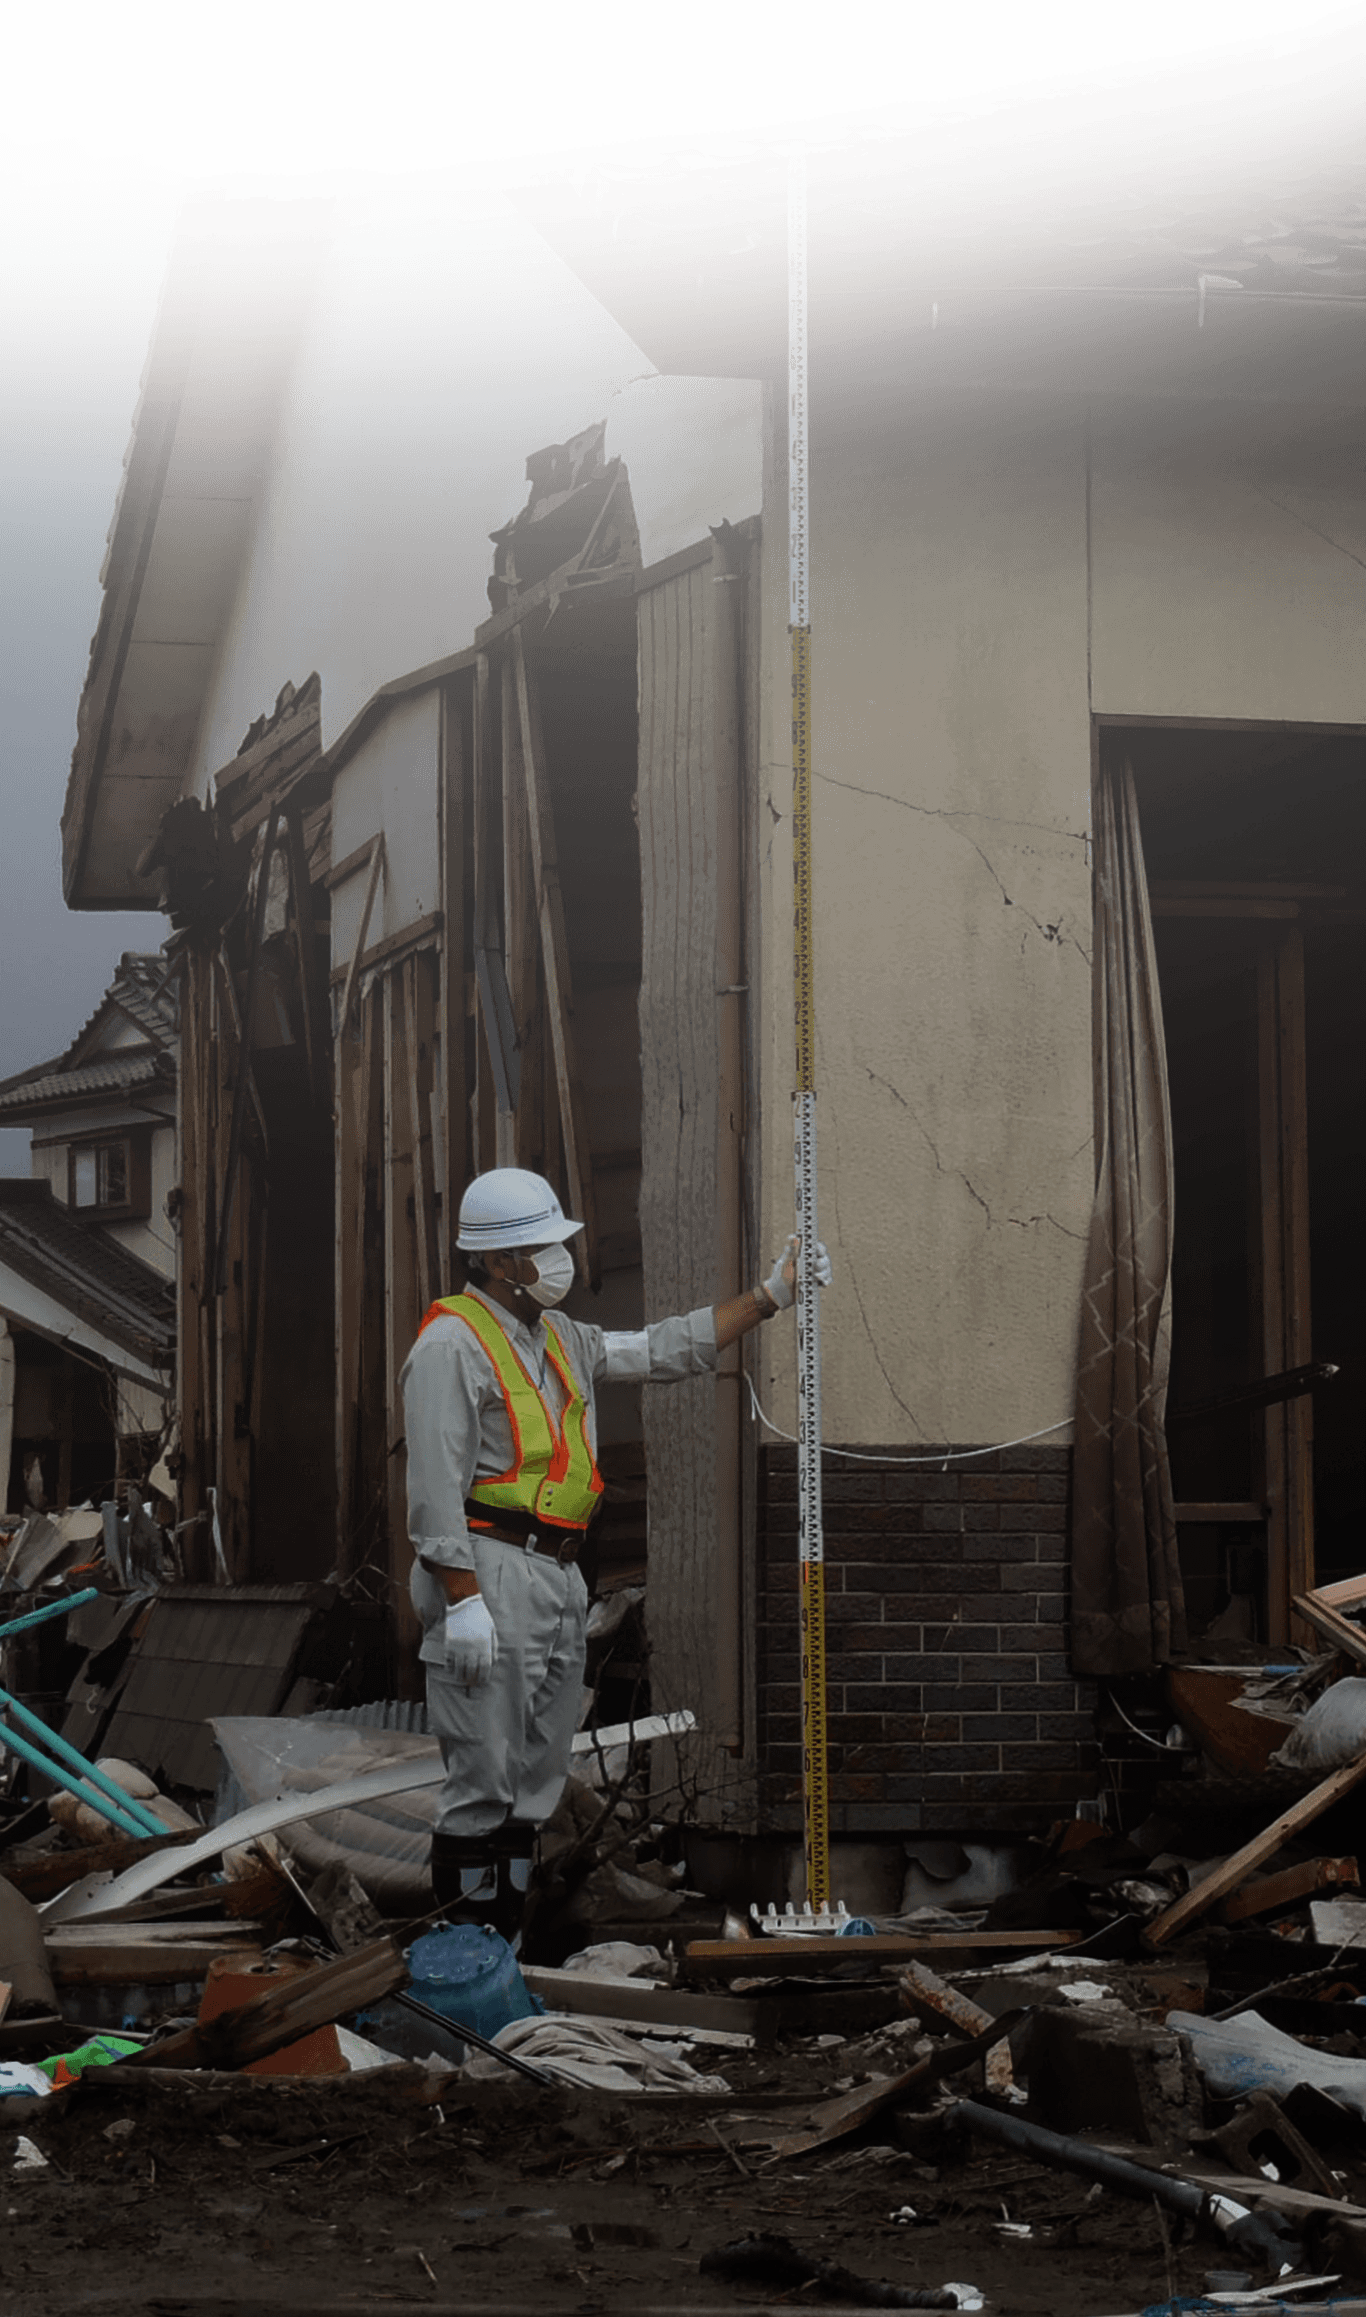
(781, 1282)
(471, 1643)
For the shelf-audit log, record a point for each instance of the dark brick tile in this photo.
(1022, 1577)
(1070, 1729)
(1027, 1637)
(1000, 1549)
(1039, 1456)
(981, 1519)
(861, 1637)
(961, 1637)
(840, 1486)
(1000, 1487)
(924, 1665)
(1054, 1665)
(844, 1788)
(853, 1608)
(905, 1727)
(1001, 1669)
(857, 1729)
(1050, 1609)
(1046, 1754)
(920, 1485)
(959, 1697)
(1004, 1729)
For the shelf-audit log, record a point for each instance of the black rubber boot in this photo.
(514, 1845)
(465, 1878)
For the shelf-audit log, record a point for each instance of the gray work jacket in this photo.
(457, 1427)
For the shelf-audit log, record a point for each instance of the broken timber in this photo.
(1236, 1869)
(784, 1958)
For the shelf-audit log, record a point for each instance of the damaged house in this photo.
(473, 830)
(87, 1252)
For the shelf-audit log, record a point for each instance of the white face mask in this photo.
(554, 1267)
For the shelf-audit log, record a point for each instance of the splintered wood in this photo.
(922, 1992)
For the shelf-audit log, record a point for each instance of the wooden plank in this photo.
(353, 969)
(923, 1991)
(795, 1958)
(455, 1088)
(195, 969)
(421, 934)
(291, 2007)
(1340, 1631)
(1235, 1870)
(642, 2001)
(1192, 1514)
(1286, 1889)
(401, 1313)
(360, 857)
(151, 1963)
(559, 986)
(731, 978)
(1342, 1595)
(421, 1078)
(529, 1146)
(486, 822)
(312, 983)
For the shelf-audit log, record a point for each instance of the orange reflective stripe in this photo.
(554, 1473)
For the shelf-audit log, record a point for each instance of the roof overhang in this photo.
(24, 1303)
(968, 216)
(226, 335)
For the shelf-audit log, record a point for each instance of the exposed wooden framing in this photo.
(195, 972)
(421, 934)
(1324, 1612)
(312, 991)
(1235, 1870)
(239, 1092)
(559, 987)
(401, 1313)
(724, 675)
(455, 1088)
(419, 1014)
(357, 954)
(1283, 1165)
(486, 824)
(520, 931)
(1252, 1514)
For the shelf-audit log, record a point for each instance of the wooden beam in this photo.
(287, 2009)
(800, 1958)
(423, 933)
(559, 987)
(1272, 1893)
(1283, 1265)
(417, 999)
(357, 954)
(312, 991)
(520, 935)
(455, 945)
(1235, 1870)
(239, 1092)
(1336, 1629)
(486, 818)
(401, 1315)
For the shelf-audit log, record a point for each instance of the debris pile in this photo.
(1140, 2067)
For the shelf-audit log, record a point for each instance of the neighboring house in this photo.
(87, 1251)
(1087, 539)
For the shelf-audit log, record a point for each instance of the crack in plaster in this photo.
(1052, 933)
(848, 1261)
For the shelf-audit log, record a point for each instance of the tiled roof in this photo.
(117, 1074)
(85, 1270)
(143, 991)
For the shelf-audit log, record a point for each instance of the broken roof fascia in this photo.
(73, 1283)
(226, 334)
(971, 212)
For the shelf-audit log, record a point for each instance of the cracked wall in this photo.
(952, 759)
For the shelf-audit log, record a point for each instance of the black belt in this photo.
(526, 1532)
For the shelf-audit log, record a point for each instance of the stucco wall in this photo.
(442, 345)
(390, 785)
(952, 757)
(1229, 561)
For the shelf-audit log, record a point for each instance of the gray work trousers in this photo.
(506, 1746)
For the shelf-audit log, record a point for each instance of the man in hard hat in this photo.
(502, 1484)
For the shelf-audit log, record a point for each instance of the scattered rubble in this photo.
(1135, 2062)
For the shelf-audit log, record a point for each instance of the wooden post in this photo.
(401, 1315)
(419, 1012)
(455, 1087)
(723, 678)
(559, 986)
(1283, 1150)
(520, 934)
(195, 971)
(487, 818)
(312, 979)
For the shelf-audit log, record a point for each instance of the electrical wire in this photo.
(945, 1456)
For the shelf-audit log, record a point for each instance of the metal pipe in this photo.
(79, 1762)
(60, 1608)
(116, 1814)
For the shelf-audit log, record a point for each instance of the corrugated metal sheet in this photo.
(383, 1714)
(206, 1654)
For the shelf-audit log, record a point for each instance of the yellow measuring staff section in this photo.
(815, 1750)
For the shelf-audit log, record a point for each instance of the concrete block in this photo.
(1095, 2067)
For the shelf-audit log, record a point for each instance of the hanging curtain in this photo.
(1128, 1611)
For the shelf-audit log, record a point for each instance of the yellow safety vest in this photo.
(553, 1474)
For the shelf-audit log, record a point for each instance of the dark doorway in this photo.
(1255, 846)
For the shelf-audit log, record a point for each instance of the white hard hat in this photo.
(510, 1207)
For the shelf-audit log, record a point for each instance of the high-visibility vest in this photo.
(553, 1474)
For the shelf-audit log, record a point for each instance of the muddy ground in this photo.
(353, 2197)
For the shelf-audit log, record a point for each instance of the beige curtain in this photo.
(1128, 1612)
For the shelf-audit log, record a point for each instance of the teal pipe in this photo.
(116, 1814)
(78, 1762)
(53, 1609)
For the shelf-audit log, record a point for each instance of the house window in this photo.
(106, 1177)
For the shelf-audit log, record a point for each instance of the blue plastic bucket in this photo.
(470, 1975)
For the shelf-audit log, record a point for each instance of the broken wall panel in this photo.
(690, 1185)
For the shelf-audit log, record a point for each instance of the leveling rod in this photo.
(810, 1536)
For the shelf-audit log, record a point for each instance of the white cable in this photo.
(945, 1455)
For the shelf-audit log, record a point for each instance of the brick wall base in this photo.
(952, 1703)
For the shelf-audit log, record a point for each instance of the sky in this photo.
(76, 306)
